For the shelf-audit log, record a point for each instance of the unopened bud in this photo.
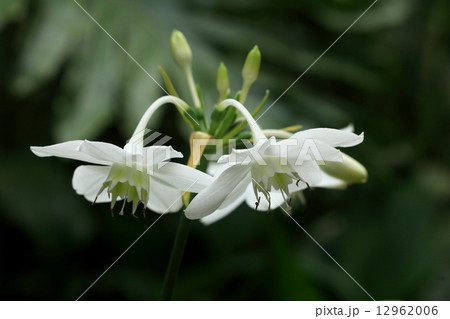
(349, 170)
(251, 66)
(223, 83)
(180, 49)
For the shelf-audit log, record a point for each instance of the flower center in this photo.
(127, 183)
(273, 176)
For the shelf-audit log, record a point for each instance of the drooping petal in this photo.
(228, 206)
(221, 213)
(88, 179)
(333, 137)
(181, 177)
(164, 199)
(234, 197)
(69, 150)
(213, 196)
(104, 151)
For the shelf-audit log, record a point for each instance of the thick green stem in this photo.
(175, 258)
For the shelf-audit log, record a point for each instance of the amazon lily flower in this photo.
(134, 173)
(270, 170)
(341, 174)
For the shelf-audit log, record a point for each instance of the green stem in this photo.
(175, 258)
(192, 88)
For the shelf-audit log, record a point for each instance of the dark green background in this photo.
(62, 78)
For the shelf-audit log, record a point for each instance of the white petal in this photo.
(309, 172)
(329, 181)
(276, 199)
(213, 168)
(70, 150)
(237, 195)
(104, 152)
(224, 210)
(251, 154)
(163, 198)
(156, 154)
(181, 177)
(213, 196)
(330, 136)
(300, 150)
(349, 128)
(88, 179)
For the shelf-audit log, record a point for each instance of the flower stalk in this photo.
(254, 127)
(176, 256)
(138, 135)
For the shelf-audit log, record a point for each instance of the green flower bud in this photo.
(251, 66)
(223, 83)
(180, 50)
(350, 170)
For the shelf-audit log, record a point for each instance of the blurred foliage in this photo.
(63, 78)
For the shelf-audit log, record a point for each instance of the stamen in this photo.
(135, 205)
(125, 199)
(123, 206)
(257, 203)
(300, 180)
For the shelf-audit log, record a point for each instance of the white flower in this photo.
(157, 184)
(270, 170)
(276, 196)
(134, 174)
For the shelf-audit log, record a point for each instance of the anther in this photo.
(257, 203)
(309, 188)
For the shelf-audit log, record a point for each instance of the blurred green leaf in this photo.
(11, 10)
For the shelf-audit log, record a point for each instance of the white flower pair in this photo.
(264, 175)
